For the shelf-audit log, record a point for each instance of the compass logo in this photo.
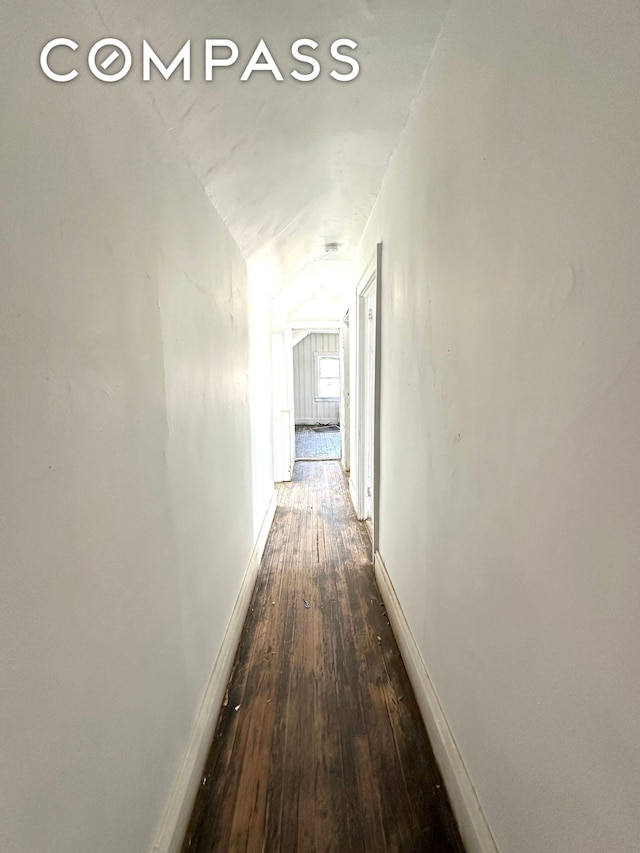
(110, 59)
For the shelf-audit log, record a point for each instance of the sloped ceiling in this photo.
(289, 166)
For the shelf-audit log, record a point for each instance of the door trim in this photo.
(368, 286)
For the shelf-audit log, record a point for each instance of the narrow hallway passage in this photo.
(320, 745)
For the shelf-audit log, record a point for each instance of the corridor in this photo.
(320, 745)
(440, 254)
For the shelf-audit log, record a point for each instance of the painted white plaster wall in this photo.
(127, 506)
(510, 459)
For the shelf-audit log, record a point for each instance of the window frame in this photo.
(318, 357)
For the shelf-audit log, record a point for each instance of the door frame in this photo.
(285, 437)
(367, 410)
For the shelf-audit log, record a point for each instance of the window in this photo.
(327, 376)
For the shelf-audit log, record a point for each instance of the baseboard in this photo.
(177, 812)
(472, 823)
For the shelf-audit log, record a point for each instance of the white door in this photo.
(345, 395)
(282, 384)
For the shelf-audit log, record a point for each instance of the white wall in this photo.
(309, 410)
(127, 511)
(510, 458)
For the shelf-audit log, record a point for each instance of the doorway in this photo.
(316, 387)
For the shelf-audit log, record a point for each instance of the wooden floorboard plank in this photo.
(326, 752)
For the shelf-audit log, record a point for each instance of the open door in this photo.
(282, 384)
(345, 395)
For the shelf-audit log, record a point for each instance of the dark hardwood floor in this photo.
(320, 746)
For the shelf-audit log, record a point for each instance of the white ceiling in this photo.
(289, 166)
